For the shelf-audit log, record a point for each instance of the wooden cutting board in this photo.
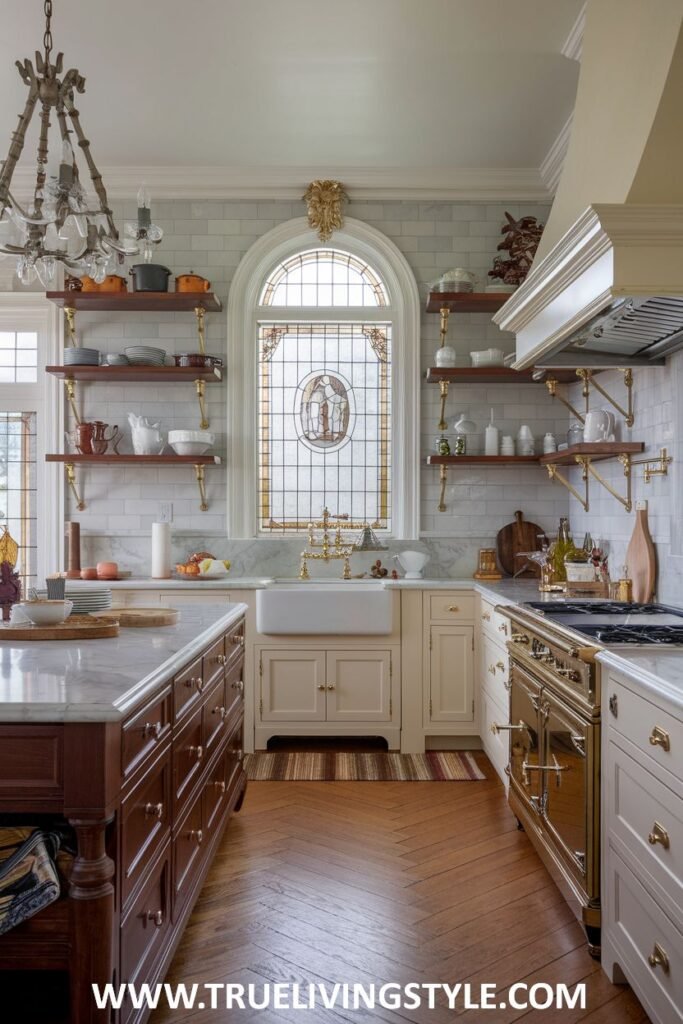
(76, 627)
(136, 617)
(518, 536)
(641, 557)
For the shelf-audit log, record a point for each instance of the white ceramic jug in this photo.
(146, 436)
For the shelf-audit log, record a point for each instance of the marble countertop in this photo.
(656, 671)
(103, 680)
(190, 583)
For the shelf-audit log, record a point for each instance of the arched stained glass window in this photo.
(324, 393)
(324, 277)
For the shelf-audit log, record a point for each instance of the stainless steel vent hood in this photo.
(606, 287)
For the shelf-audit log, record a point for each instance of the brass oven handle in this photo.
(156, 916)
(660, 738)
(198, 751)
(503, 628)
(152, 729)
(495, 728)
(556, 767)
(154, 811)
(659, 835)
(658, 958)
(196, 833)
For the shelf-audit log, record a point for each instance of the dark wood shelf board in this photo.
(482, 460)
(598, 452)
(142, 302)
(133, 374)
(159, 460)
(495, 375)
(467, 302)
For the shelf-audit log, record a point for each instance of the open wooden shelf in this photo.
(142, 302)
(467, 302)
(596, 452)
(495, 375)
(483, 460)
(133, 374)
(161, 460)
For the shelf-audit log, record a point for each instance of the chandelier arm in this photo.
(19, 136)
(95, 175)
(38, 194)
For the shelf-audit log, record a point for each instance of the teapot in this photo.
(146, 436)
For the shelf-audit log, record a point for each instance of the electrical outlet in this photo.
(165, 512)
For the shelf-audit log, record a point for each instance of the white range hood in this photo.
(606, 287)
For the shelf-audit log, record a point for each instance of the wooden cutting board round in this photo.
(641, 559)
(139, 616)
(518, 536)
(76, 627)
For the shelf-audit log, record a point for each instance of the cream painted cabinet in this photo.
(450, 687)
(293, 686)
(359, 686)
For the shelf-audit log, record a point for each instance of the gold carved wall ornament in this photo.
(324, 200)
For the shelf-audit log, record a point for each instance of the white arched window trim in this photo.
(243, 314)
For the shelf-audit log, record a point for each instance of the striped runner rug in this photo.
(379, 766)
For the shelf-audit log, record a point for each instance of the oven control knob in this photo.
(540, 652)
(519, 638)
(570, 674)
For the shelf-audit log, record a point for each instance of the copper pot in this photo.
(191, 283)
(111, 283)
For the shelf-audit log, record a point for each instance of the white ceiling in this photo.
(406, 85)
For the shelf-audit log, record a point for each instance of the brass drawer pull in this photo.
(331, 686)
(492, 670)
(659, 835)
(500, 665)
(238, 640)
(486, 615)
(154, 811)
(238, 685)
(152, 729)
(195, 681)
(660, 738)
(220, 786)
(220, 710)
(196, 833)
(321, 686)
(519, 638)
(453, 608)
(156, 916)
(221, 659)
(503, 628)
(658, 958)
(197, 751)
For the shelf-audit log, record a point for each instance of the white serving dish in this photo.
(191, 442)
(46, 613)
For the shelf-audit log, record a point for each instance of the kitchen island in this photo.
(136, 742)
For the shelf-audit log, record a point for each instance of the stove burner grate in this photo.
(639, 634)
(593, 608)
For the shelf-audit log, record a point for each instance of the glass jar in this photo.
(442, 445)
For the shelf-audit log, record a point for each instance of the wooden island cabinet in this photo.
(148, 795)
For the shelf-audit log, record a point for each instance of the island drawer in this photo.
(216, 789)
(188, 759)
(234, 642)
(31, 763)
(144, 929)
(494, 624)
(234, 688)
(450, 605)
(657, 735)
(214, 715)
(214, 661)
(188, 686)
(189, 843)
(145, 822)
(144, 732)
(494, 664)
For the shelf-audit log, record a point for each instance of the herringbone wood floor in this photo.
(386, 882)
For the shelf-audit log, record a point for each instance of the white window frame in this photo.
(244, 313)
(31, 311)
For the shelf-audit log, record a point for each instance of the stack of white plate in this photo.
(86, 599)
(145, 355)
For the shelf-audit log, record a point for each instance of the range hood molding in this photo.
(611, 252)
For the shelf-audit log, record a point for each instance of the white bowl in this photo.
(46, 613)
(191, 442)
(488, 357)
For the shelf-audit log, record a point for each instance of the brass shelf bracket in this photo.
(589, 382)
(71, 481)
(443, 388)
(200, 313)
(655, 465)
(443, 328)
(199, 473)
(555, 474)
(551, 384)
(70, 322)
(587, 464)
(443, 477)
(70, 388)
(200, 387)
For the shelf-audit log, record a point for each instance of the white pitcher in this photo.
(146, 436)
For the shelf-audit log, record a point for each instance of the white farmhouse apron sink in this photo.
(332, 607)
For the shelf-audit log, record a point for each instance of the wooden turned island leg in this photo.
(92, 908)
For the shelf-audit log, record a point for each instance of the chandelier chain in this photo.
(47, 37)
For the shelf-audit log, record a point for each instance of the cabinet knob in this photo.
(321, 686)
(221, 659)
(486, 615)
(219, 785)
(195, 682)
(660, 738)
(520, 638)
(196, 833)
(503, 629)
(658, 958)
(500, 665)
(614, 705)
(331, 686)
(492, 670)
(240, 756)
(453, 608)
(198, 751)
(152, 729)
(659, 835)
(220, 710)
(156, 917)
(154, 811)
(238, 640)
(238, 685)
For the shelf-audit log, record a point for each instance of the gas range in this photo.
(613, 623)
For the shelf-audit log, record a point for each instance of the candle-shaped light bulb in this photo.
(144, 208)
(66, 163)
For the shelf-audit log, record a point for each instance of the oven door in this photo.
(525, 733)
(568, 794)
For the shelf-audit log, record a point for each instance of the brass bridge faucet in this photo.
(329, 550)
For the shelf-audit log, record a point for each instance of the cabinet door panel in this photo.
(451, 674)
(292, 686)
(359, 685)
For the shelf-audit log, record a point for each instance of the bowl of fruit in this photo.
(203, 565)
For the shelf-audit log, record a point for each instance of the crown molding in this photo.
(484, 184)
(573, 44)
(553, 161)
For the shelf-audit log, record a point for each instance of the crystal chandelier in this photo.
(60, 223)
